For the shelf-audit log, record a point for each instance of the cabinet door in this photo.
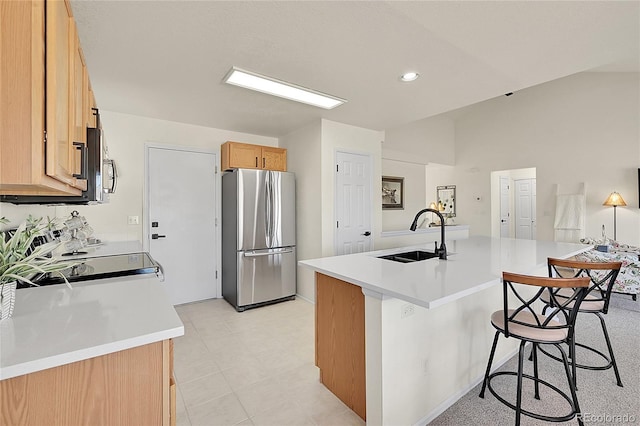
(244, 156)
(61, 53)
(274, 159)
(130, 387)
(90, 118)
(79, 107)
(340, 341)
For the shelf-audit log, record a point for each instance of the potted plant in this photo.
(20, 261)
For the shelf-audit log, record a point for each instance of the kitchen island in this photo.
(401, 342)
(99, 353)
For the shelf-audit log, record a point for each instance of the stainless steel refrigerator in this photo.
(258, 237)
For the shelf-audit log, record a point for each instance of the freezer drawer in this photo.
(265, 275)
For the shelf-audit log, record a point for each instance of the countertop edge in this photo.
(87, 353)
(365, 285)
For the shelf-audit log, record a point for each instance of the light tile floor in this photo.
(251, 368)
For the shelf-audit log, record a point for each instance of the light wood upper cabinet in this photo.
(65, 95)
(90, 116)
(241, 155)
(236, 155)
(28, 56)
(274, 158)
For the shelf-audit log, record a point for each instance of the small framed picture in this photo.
(392, 192)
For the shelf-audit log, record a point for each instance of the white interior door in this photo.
(181, 221)
(505, 201)
(353, 203)
(534, 219)
(525, 208)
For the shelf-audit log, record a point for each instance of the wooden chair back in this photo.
(526, 303)
(601, 274)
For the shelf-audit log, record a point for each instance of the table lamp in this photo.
(614, 200)
(432, 206)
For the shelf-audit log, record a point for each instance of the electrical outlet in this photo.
(406, 310)
(133, 220)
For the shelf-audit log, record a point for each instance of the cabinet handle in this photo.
(264, 164)
(84, 167)
(256, 162)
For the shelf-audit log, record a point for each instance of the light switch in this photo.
(133, 220)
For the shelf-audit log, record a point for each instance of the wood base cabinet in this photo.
(236, 155)
(130, 387)
(340, 341)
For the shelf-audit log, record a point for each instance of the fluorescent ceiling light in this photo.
(272, 86)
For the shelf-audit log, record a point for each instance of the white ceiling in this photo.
(167, 59)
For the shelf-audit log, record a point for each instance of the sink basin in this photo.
(409, 256)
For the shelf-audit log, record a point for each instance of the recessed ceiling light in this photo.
(283, 89)
(409, 76)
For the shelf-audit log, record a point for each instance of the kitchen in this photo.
(312, 144)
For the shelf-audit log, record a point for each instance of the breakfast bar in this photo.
(399, 341)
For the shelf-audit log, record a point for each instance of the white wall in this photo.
(303, 158)
(312, 156)
(431, 140)
(126, 136)
(414, 194)
(582, 128)
(343, 137)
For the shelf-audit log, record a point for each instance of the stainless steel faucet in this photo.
(442, 250)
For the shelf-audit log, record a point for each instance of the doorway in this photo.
(525, 208)
(505, 207)
(353, 203)
(180, 226)
(513, 203)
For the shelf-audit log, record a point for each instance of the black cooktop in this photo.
(94, 268)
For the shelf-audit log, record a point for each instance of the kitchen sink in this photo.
(410, 256)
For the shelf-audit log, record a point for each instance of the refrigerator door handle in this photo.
(256, 253)
(268, 209)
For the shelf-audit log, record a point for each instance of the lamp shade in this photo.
(614, 200)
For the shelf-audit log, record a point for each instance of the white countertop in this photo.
(473, 264)
(430, 230)
(55, 325)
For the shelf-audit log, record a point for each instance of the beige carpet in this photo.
(601, 400)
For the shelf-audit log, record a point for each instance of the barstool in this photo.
(524, 324)
(602, 275)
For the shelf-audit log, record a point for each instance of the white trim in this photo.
(218, 200)
(335, 194)
(306, 299)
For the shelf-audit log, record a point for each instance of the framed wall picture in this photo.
(447, 200)
(392, 192)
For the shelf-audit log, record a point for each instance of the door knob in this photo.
(366, 233)
(156, 236)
